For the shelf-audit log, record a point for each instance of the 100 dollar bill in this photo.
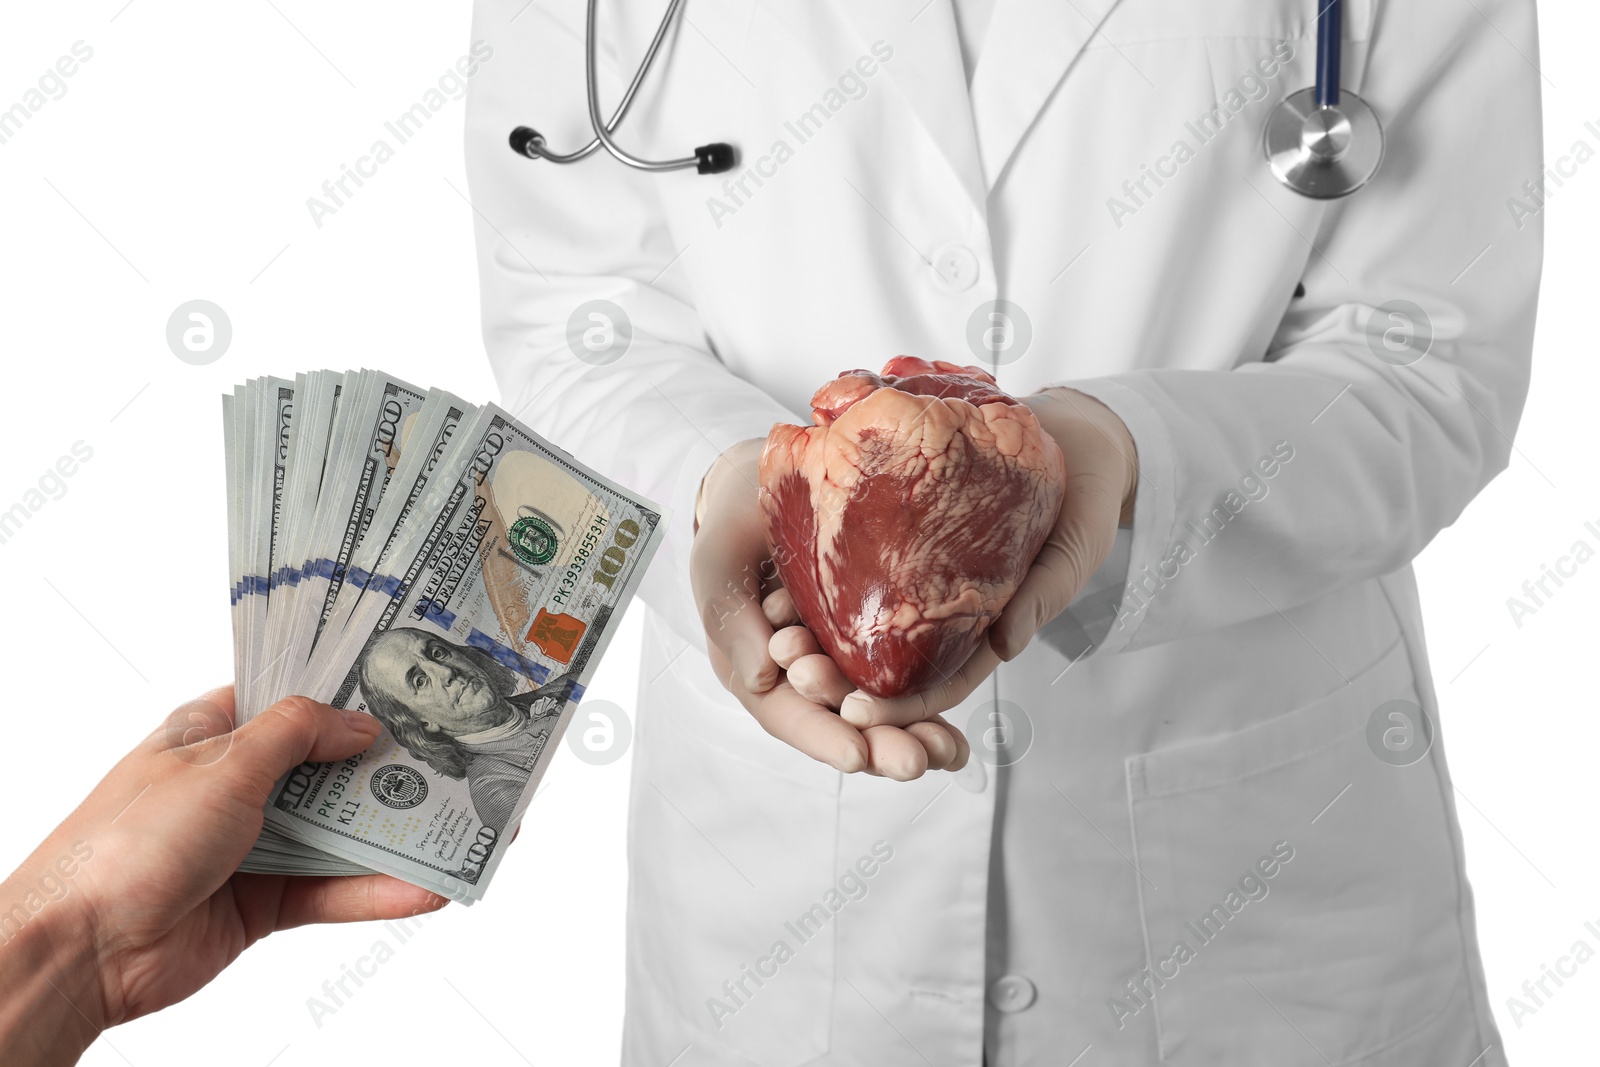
(470, 643)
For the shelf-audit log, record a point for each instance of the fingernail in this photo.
(853, 710)
(849, 761)
(361, 721)
(904, 771)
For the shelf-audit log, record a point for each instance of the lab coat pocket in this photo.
(1300, 895)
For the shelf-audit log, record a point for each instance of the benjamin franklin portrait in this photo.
(456, 709)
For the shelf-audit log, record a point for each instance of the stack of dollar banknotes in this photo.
(438, 566)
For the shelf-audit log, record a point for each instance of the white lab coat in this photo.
(1223, 713)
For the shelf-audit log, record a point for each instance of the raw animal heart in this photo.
(903, 521)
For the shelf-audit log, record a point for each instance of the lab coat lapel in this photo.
(927, 70)
(1025, 54)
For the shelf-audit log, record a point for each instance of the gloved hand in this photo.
(1102, 479)
(731, 574)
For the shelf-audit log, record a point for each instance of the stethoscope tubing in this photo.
(1330, 28)
(591, 72)
(1289, 161)
(603, 130)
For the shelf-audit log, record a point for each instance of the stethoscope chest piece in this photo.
(1323, 152)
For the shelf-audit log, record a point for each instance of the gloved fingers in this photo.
(798, 722)
(819, 679)
(1080, 542)
(725, 568)
(964, 748)
(894, 753)
(936, 742)
(946, 746)
(862, 710)
(779, 608)
(790, 644)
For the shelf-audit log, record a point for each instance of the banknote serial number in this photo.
(580, 559)
(611, 561)
(312, 780)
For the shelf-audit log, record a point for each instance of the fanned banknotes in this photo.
(440, 567)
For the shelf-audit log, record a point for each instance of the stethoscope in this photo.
(1320, 142)
(707, 159)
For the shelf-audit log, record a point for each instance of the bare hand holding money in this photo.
(440, 567)
(134, 903)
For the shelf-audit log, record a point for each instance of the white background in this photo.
(177, 166)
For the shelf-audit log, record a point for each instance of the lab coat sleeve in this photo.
(551, 238)
(1383, 455)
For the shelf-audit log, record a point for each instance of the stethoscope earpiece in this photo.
(715, 158)
(522, 138)
(1320, 142)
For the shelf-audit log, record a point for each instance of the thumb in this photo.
(1079, 543)
(726, 564)
(295, 730)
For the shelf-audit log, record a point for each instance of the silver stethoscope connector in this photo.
(711, 158)
(1321, 142)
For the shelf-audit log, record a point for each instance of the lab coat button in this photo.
(1012, 993)
(955, 268)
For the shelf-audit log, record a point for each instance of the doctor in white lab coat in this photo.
(1207, 819)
